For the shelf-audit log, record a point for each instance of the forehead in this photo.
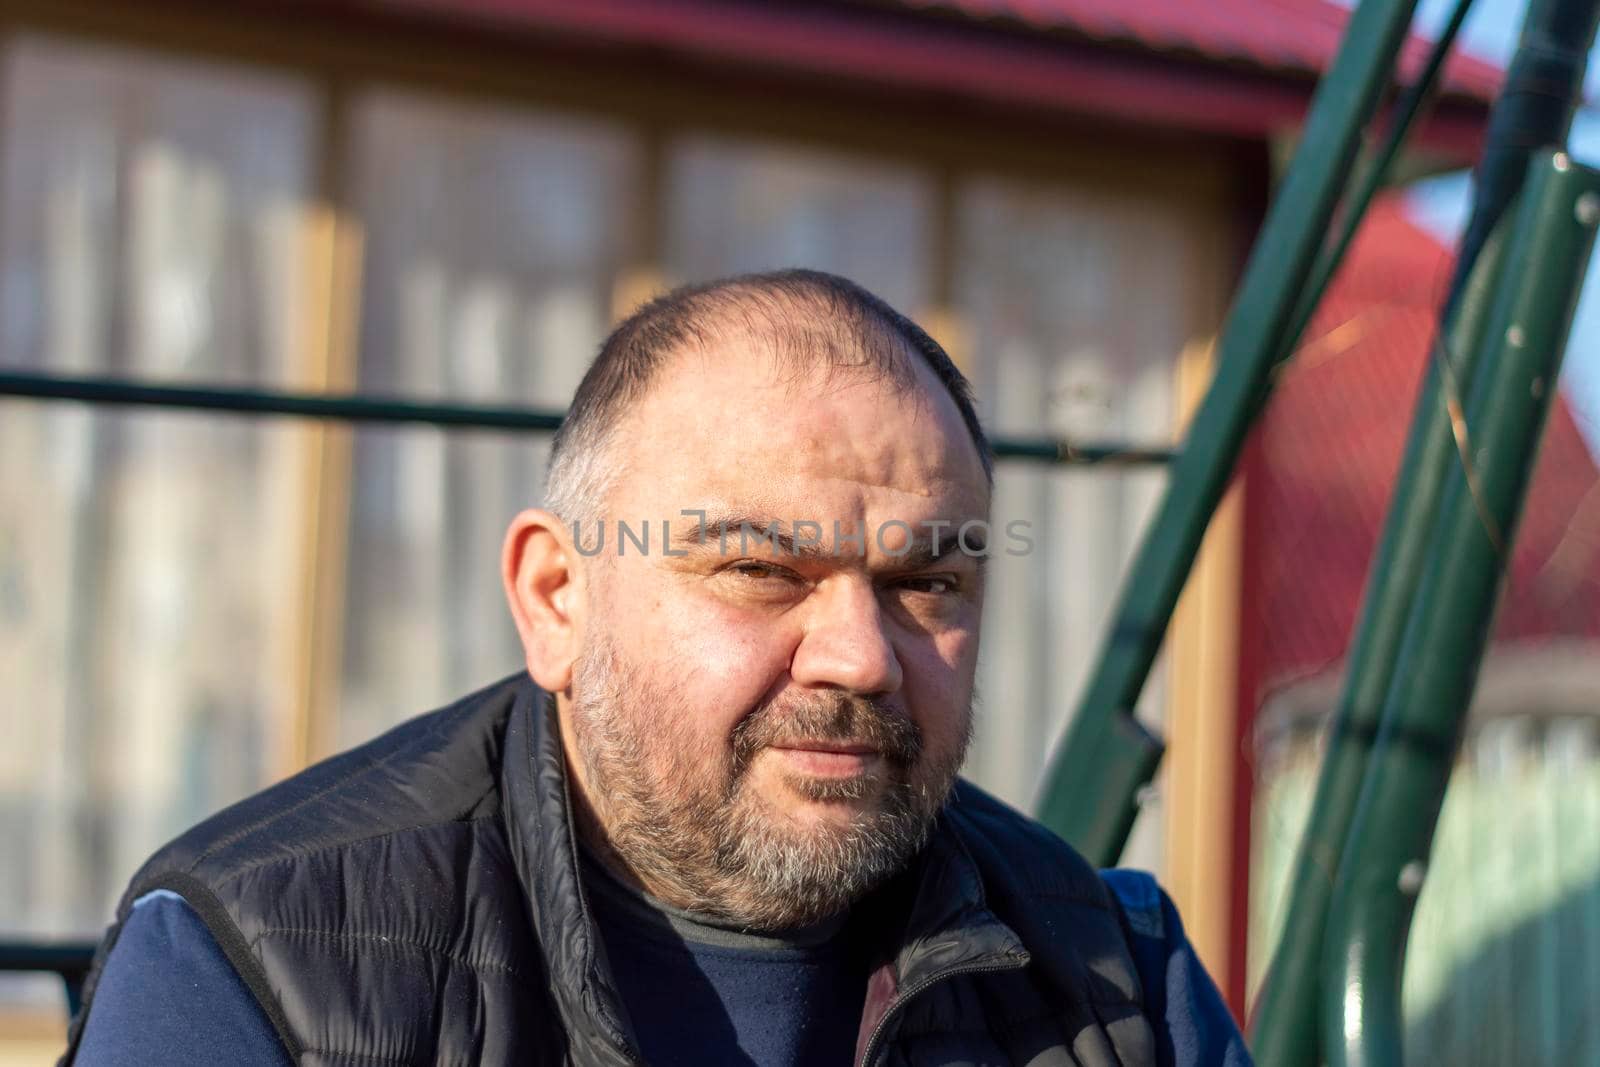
(725, 424)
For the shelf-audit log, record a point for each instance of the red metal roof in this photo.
(1288, 35)
(1330, 449)
(1239, 68)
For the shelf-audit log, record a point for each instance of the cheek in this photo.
(939, 674)
(717, 663)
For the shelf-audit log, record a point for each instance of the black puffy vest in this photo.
(416, 901)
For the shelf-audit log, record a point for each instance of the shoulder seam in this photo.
(231, 940)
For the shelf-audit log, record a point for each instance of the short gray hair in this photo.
(812, 320)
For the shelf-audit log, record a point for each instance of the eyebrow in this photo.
(721, 529)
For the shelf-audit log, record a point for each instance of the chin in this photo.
(817, 802)
(856, 792)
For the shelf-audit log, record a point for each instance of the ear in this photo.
(544, 587)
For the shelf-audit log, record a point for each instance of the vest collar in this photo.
(948, 930)
(544, 844)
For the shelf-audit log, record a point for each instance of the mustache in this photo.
(837, 719)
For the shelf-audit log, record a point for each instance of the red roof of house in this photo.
(1241, 68)
(1290, 35)
(1330, 449)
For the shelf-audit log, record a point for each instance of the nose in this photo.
(845, 644)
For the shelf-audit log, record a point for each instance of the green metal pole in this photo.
(1375, 173)
(1383, 866)
(1106, 756)
(1534, 110)
(1543, 87)
(1287, 1010)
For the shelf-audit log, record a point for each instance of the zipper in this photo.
(922, 987)
(626, 1052)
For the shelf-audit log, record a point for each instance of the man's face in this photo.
(766, 733)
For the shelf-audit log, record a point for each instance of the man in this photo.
(718, 819)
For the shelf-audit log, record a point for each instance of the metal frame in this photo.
(1385, 857)
(1107, 756)
(1534, 111)
(367, 408)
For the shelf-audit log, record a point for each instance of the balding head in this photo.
(807, 323)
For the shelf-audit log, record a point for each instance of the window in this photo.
(736, 206)
(149, 225)
(491, 257)
(1076, 305)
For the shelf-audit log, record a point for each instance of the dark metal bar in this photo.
(364, 408)
(1061, 450)
(1543, 89)
(1384, 863)
(1534, 111)
(69, 960)
(1106, 756)
(349, 408)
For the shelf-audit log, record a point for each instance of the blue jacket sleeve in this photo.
(169, 996)
(1199, 1030)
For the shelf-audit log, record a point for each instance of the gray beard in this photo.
(687, 827)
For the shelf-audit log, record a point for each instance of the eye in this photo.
(758, 571)
(935, 584)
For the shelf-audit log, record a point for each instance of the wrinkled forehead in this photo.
(735, 422)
